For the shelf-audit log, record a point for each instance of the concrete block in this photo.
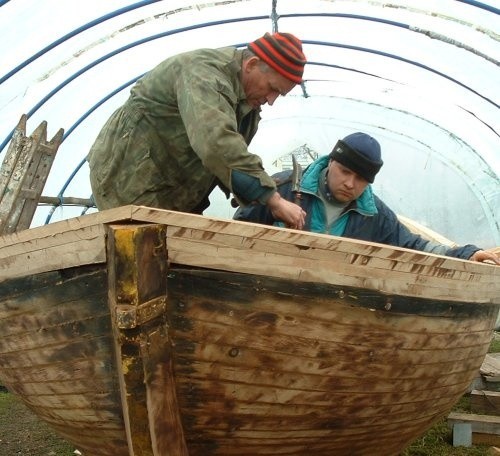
(462, 434)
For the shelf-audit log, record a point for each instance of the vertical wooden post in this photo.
(137, 265)
(24, 172)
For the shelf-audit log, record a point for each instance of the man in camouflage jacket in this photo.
(186, 128)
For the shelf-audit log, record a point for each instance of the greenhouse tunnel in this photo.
(421, 77)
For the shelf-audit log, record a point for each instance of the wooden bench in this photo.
(471, 428)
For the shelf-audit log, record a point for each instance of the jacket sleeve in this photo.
(391, 231)
(208, 102)
(255, 213)
(248, 188)
(258, 212)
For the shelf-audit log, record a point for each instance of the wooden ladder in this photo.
(23, 174)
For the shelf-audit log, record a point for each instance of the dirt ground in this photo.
(22, 434)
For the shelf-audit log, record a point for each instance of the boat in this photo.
(139, 331)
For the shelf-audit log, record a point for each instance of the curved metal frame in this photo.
(274, 17)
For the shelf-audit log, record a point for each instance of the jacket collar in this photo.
(365, 204)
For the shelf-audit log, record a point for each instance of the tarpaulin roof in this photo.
(420, 76)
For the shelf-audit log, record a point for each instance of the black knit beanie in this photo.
(360, 153)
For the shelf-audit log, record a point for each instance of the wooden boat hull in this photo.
(147, 353)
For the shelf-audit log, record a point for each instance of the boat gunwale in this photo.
(453, 275)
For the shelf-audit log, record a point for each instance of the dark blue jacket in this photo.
(367, 218)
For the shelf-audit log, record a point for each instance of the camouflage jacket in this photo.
(184, 128)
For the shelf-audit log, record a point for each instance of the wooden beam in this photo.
(25, 169)
(137, 265)
(310, 257)
(485, 402)
(479, 438)
(71, 249)
(490, 369)
(66, 201)
(482, 424)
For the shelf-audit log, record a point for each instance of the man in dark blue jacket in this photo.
(338, 200)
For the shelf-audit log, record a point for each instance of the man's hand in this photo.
(289, 213)
(485, 257)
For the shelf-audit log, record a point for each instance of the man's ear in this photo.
(251, 63)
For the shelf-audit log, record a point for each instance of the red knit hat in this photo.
(283, 53)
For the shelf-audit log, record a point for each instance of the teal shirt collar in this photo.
(365, 204)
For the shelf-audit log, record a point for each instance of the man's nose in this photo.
(350, 181)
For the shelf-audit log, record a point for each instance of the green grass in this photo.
(438, 442)
(23, 434)
(495, 344)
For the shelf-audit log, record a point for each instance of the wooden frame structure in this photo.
(23, 174)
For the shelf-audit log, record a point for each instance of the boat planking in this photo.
(139, 331)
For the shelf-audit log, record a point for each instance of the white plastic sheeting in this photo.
(420, 76)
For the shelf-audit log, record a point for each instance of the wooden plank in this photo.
(20, 154)
(485, 402)
(184, 250)
(363, 262)
(11, 157)
(78, 248)
(137, 265)
(27, 165)
(425, 232)
(308, 240)
(478, 438)
(491, 367)
(249, 230)
(338, 255)
(241, 242)
(37, 175)
(484, 424)
(69, 308)
(44, 234)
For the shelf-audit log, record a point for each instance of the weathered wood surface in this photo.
(490, 369)
(485, 402)
(23, 174)
(427, 233)
(259, 367)
(137, 278)
(484, 424)
(239, 246)
(56, 354)
(237, 364)
(479, 429)
(190, 335)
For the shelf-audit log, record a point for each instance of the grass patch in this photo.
(495, 343)
(438, 441)
(23, 434)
